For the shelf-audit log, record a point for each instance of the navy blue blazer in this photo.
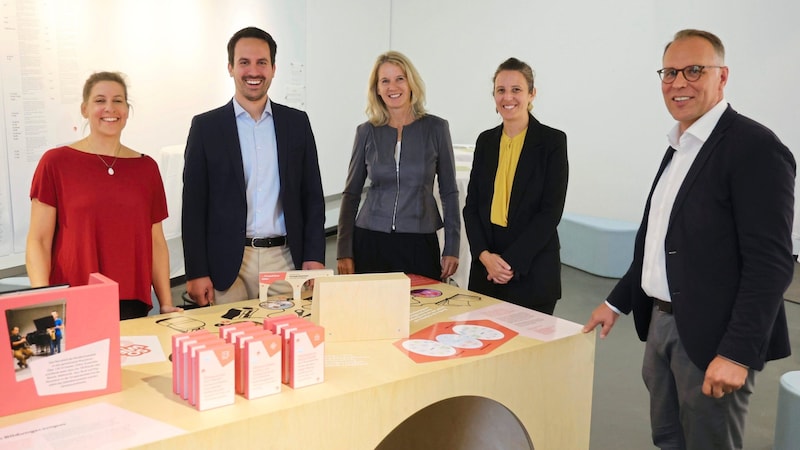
(214, 201)
(728, 248)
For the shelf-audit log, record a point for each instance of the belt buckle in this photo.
(253, 242)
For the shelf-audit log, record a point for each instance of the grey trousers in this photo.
(681, 416)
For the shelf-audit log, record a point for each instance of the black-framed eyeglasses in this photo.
(690, 73)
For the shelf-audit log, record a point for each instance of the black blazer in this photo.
(537, 202)
(728, 248)
(214, 202)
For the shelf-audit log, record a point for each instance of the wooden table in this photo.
(371, 387)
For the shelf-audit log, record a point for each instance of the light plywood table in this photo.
(371, 387)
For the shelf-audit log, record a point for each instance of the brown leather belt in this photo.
(265, 242)
(663, 306)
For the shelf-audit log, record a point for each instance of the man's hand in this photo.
(313, 265)
(201, 291)
(602, 315)
(723, 376)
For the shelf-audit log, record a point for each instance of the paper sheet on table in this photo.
(140, 350)
(99, 426)
(524, 321)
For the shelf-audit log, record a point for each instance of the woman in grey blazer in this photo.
(402, 150)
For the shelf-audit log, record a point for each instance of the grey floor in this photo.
(620, 405)
(620, 419)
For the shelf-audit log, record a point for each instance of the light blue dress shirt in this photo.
(261, 177)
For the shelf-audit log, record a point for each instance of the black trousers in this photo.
(378, 252)
(539, 293)
(132, 309)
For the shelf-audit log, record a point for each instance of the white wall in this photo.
(596, 80)
(344, 38)
(173, 53)
(595, 64)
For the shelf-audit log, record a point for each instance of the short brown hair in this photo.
(256, 33)
(712, 38)
(519, 66)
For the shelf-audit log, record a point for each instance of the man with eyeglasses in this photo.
(712, 258)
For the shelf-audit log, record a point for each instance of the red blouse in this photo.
(103, 222)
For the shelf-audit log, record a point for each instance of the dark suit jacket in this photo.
(214, 202)
(728, 248)
(537, 202)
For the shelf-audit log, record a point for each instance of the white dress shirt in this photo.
(687, 146)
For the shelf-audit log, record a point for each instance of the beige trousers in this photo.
(255, 260)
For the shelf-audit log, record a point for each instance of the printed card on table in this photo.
(448, 340)
(135, 350)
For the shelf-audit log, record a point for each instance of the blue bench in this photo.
(597, 245)
(787, 434)
(14, 283)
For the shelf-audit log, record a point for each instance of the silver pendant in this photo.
(111, 171)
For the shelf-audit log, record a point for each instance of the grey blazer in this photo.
(401, 200)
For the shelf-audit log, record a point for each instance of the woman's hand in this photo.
(449, 266)
(346, 266)
(166, 309)
(499, 271)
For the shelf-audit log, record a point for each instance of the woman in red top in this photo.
(97, 206)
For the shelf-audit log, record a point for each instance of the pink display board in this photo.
(88, 363)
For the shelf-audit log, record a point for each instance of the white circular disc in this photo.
(459, 341)
(428, 347)
(479, 332)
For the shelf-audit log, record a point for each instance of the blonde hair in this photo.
(377, 113)
(116, 77)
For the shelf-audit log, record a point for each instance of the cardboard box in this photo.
(262, 365)
(274, 324)
(214, 376)
(306, 356)
(225, 330)
(185, 368)
(177, 374)
(362, 307)
(238, 341)
(286, 343)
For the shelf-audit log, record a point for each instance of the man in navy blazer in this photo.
(252, 195)
(712, 258)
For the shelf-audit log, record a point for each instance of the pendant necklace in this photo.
(110, 167)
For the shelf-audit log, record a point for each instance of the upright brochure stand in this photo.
(87, 364)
